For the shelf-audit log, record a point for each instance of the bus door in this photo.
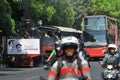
(47, 44)
(47, 41)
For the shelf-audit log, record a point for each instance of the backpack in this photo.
(60, 65)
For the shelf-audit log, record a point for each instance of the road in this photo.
(23, 74)
(40, 74)
(95, 71)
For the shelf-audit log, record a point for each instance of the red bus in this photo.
(98, 32)
(57, 32)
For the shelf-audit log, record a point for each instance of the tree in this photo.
(64, 15)
(41, 11)
(107, 7)
(7, 24)
(82, 8)
(17, 10)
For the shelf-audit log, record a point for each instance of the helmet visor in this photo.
(69, 46)
(111, 48)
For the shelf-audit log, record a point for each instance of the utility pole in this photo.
(26, 4)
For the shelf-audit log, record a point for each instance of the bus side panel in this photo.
(96, 52)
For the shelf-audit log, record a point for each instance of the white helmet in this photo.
(69, 42)
(112, 46)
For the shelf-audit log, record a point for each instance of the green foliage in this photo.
(41, 11)
(16, 0)
(64, 15)
(67, 13)
(6, 22)
(81, 8)
(107, 7)
(17, 11)
(13, 26)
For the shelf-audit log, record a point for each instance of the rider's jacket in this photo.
(113, 59)
(69, 70)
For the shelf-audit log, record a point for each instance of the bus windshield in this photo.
(95, 39)
(95, 23)
(65, 34)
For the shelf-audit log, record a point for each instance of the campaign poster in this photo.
(23, 46)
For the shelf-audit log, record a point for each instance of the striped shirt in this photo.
(70, 71)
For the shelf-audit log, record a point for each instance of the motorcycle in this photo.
(110, 73)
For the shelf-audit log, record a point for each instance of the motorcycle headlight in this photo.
(109, 66)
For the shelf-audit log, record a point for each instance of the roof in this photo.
(69, 29)
(65, 29)
(100, 16)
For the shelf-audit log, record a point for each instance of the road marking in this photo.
(33, 77)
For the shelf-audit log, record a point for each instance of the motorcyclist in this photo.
(83, 54)
(70, 69)
(56, 53)
(111, 57)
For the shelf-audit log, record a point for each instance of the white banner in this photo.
(23, 46)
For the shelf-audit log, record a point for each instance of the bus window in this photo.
(95, 23)
(77, 35)
(48, 34)
(58, 35)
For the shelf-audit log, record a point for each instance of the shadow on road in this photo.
(4, 74)
(42, 78)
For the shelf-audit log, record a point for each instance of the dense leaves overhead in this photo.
(67, 13)
(41, 11)
(7, 24)
(107, 7)
(81, 8)
(64, 15)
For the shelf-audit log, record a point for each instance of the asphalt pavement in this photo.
(38, 73)
(8, 71)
